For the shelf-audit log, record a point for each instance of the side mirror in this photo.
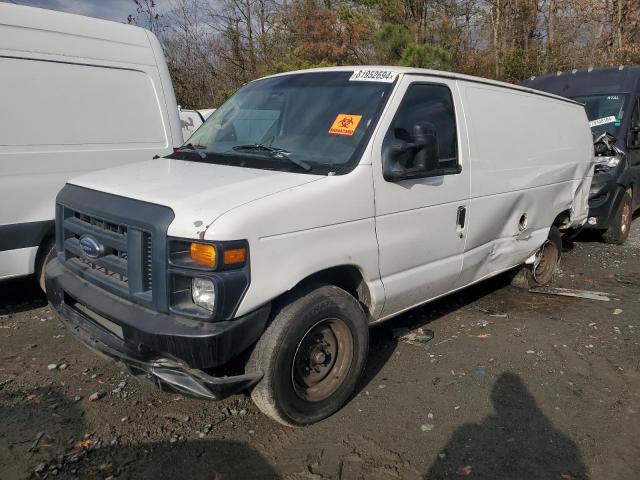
(403, 160)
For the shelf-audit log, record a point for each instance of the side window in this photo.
(633, 137)
(422, 139)
(636, 112)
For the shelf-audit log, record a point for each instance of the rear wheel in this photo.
(312, 355)
(544, 266)
(46, 253)
(618, 232)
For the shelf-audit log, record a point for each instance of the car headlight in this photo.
(203, 293)
(608, 161)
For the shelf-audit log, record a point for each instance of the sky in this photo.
(116, 10)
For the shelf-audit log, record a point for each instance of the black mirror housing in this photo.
(403, 160)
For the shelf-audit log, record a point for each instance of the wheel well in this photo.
(563, 220)
(42, 250)
(347, 277)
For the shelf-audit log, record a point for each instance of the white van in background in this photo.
(190, 120)
(77, 94)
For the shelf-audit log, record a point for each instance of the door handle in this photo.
(462, 217)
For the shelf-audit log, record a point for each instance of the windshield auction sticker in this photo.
(345, 124)
(368, 75)
(602, 121)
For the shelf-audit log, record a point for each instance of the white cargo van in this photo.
(309, 206)
(190, 120)
(76, 94)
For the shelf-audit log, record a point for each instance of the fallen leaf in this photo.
(84, 443)
(464, 471)
(481, 336)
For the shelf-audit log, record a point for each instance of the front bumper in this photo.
(172, 351)
(604, 199)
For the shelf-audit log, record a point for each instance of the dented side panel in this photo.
(531, 161)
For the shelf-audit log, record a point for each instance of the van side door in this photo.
(421, 183)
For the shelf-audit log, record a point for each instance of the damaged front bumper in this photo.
(147, 345)
(604, 200)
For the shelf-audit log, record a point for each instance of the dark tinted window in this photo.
(428, 110)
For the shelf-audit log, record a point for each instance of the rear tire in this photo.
(542, 271)
(46, 253)
(618, 232)
(312, 355)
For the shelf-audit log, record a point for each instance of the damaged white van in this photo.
(310, 206)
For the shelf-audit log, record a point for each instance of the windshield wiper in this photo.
(273, 152)
(192, 148)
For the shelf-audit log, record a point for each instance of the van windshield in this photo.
(310, 122)
(604, 112)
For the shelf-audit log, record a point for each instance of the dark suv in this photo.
(611, 97)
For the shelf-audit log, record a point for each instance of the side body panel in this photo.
(530, 160)
(305, 229)
(420, 242)
(17, 262)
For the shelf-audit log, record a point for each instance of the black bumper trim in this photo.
(168, 373)
(24, 235)
(148, 334)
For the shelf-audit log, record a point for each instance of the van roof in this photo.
(623, 79)
(431, 73)
(45, 32)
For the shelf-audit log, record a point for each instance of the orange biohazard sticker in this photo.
(345, 124)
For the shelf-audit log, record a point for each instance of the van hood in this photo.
(198, 193)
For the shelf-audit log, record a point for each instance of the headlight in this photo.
(608, 161)
(203, 293)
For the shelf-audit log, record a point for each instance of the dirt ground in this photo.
(514, 385)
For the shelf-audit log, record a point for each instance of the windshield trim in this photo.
(248, 160)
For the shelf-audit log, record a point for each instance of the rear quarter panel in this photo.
(529, 155)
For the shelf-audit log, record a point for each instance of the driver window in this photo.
(635, 118)
(633, 136)
(427, 111)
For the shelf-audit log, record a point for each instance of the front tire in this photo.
(618, 232)
(46, 253)
(312, 355)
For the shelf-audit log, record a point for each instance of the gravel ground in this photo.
(514, 385)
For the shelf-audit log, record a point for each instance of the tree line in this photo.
(215, 46)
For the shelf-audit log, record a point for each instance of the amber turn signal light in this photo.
(234, 256)
(203, 253)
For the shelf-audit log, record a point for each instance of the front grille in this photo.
(130, 237)
(112, 269)
(147, 261)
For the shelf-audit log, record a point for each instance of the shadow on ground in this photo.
(516, 442)
(67, 450)
(20, 294)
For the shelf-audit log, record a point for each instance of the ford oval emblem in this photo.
(91, 248)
